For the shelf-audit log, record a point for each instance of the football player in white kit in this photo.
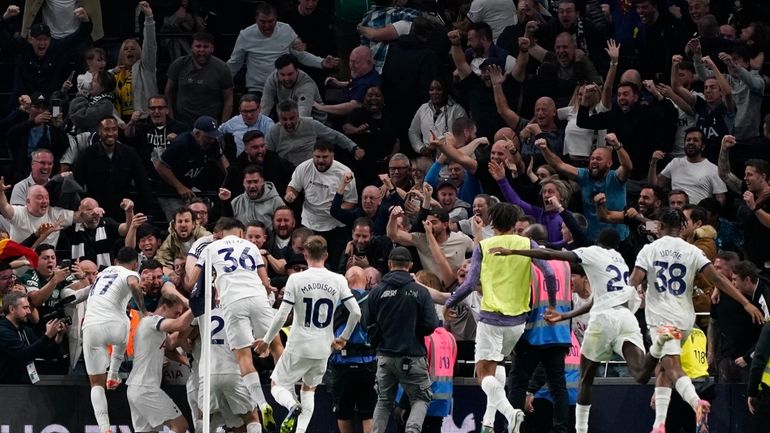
(612, 326)
(151, 408)
(231, 403)
(242, 284)
(670, 265)
(106, 323)
(312, 294)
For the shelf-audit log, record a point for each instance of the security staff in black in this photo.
(399, 314)
(759, 381)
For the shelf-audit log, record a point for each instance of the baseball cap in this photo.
(296, 259)
(445, 183)
(39, 99)
(441, 214)
(489, 61)
(39, 29)
(208, 125)
(400, 254)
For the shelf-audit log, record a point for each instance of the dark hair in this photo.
(286, 105)
(203, 201)
(631, 85)
(106, 80)
(760, 165)
(203, 37)
(284, 207)
(363, 222)
(227, 223)
(145, 230)
(168, 301)
(285, 60)
(537, 232)
(745, 269)
(126, 255)
(672, 218)
(679, 192)
(710, 204)
(258, 224)
(577, 269)
(526, 218)
(504, 216)
(94, 52)
(608, 238)
(253, 169)
(656, 190)
(252, 135)
(163, 97)
(44, 247)
(248, 97)
(265, 8)
(184, 210)
(692, 129)
(150, 264)
(323, 146)
(728, 256)
(697, 213)
(581, 220)
(482, 29)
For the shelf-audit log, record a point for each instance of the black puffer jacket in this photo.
(399, 314)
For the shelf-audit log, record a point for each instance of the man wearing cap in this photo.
(455, 245)
(109, 171)
(40, 62)
(41, 130)
(399, 314)
(181, 165)
(446, 193)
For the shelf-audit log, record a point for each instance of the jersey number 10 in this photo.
(313, 312)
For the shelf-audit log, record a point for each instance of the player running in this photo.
(670, 265)
(105, 323)
(612, 326)
(313, 295)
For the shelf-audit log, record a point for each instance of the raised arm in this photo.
(458, 56)
(732, 181)
(727, 90)
(510, 117)
(652, 173)
(613, 50)
(522, 60)
(554, 161)
(685, 94)
(5, 208)
(446, 274)
(625, 159)
(398, 236)
(726, 287)
(605, 215)
(447, 146)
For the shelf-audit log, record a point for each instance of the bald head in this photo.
(37, 200)
(356, 277)
(504, 133)
(633, 76)
(537, 232)
(373, 276)
(361, 61)
(89, 269)
(90, 212)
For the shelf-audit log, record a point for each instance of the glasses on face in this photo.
(158, 107)
(298, 268)
(398, 168)
(253, 110)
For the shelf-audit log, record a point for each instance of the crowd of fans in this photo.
(386, 124)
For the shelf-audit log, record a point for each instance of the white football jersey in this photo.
(314, 293)
(608, 274)
(109, 296)
(235, 261)
(222, 357)
(149, 351)
(671, 265)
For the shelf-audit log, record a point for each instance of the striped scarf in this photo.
(101, 245)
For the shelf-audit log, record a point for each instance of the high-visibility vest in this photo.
(693, 358)
(442, 355)
(505, 279)
(571, 373)
(538, 332)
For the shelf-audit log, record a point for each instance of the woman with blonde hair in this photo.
(136, 70)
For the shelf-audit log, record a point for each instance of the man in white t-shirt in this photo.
(105, 323)
(319, 178)
(242, 284)
(692, 173)
(151, 408)
(24, 220)
(312, 295)
(670, 265)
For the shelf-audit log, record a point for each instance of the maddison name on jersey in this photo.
(319, 286)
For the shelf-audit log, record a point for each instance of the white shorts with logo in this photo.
(229, 398)
(96, 338)
(292, 368)
(606, 333)
(150, 408)
(245, 319)
(493, 343)
(671, 347)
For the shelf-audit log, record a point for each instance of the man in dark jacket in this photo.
(19, 345)
(274, 168)
(399, 314)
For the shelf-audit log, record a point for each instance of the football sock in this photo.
(99, 403)
(581, 417)
(496, 396)
(685, 388)
(283, 396)
(307, 400)
(662, 399)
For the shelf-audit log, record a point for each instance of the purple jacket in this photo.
(551, 220)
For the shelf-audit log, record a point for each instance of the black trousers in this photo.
(552, 358)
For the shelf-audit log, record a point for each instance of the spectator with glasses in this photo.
(250, 119)
(151, 132)
(42, 166)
